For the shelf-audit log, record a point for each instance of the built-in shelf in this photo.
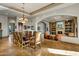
(69, 27)
(52, 27)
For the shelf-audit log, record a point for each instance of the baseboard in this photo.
(4, 37)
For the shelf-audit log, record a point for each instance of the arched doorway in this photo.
(41, 27)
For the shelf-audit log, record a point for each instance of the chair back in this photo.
(30, 33)
(37, 37)
(15, 35)
(34, 33)
(20, 35)
(27, 34)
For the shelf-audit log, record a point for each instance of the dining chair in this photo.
(35, 41)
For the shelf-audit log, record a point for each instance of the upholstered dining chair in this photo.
(35, 41)
(25, 41)
(34, 33)
(30, 33)
(27, 35)
(18, 39)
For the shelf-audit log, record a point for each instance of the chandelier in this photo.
(23, 19)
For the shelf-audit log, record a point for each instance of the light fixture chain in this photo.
(23, 19)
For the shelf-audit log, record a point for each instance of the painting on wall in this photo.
(38, 28)
(32, 27)
(25, 27)
(60, 25)
(28, 27)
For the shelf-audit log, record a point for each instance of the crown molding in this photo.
(45, 8)
(36, 11)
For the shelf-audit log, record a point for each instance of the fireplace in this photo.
(60, 32)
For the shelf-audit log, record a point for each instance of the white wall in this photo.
(47, 26)
(4, 21)
(42, 27)
(32, 22)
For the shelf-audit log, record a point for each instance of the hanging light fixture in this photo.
(23, 19)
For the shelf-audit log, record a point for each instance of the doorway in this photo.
(41, 28)
(0, 30)
(11, 28)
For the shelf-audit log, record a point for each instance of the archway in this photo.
(41, 27)
(56, 18)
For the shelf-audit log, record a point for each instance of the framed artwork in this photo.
(60, 24)
(28, 26)
(32, 27)
(38, 28)
(25, 27)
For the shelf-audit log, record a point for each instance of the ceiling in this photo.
(28, 7)
(58, 18)
(16, 9)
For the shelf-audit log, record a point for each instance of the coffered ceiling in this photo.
(30, 9)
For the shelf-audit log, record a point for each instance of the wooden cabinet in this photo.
(52, 26)
(70, 27)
